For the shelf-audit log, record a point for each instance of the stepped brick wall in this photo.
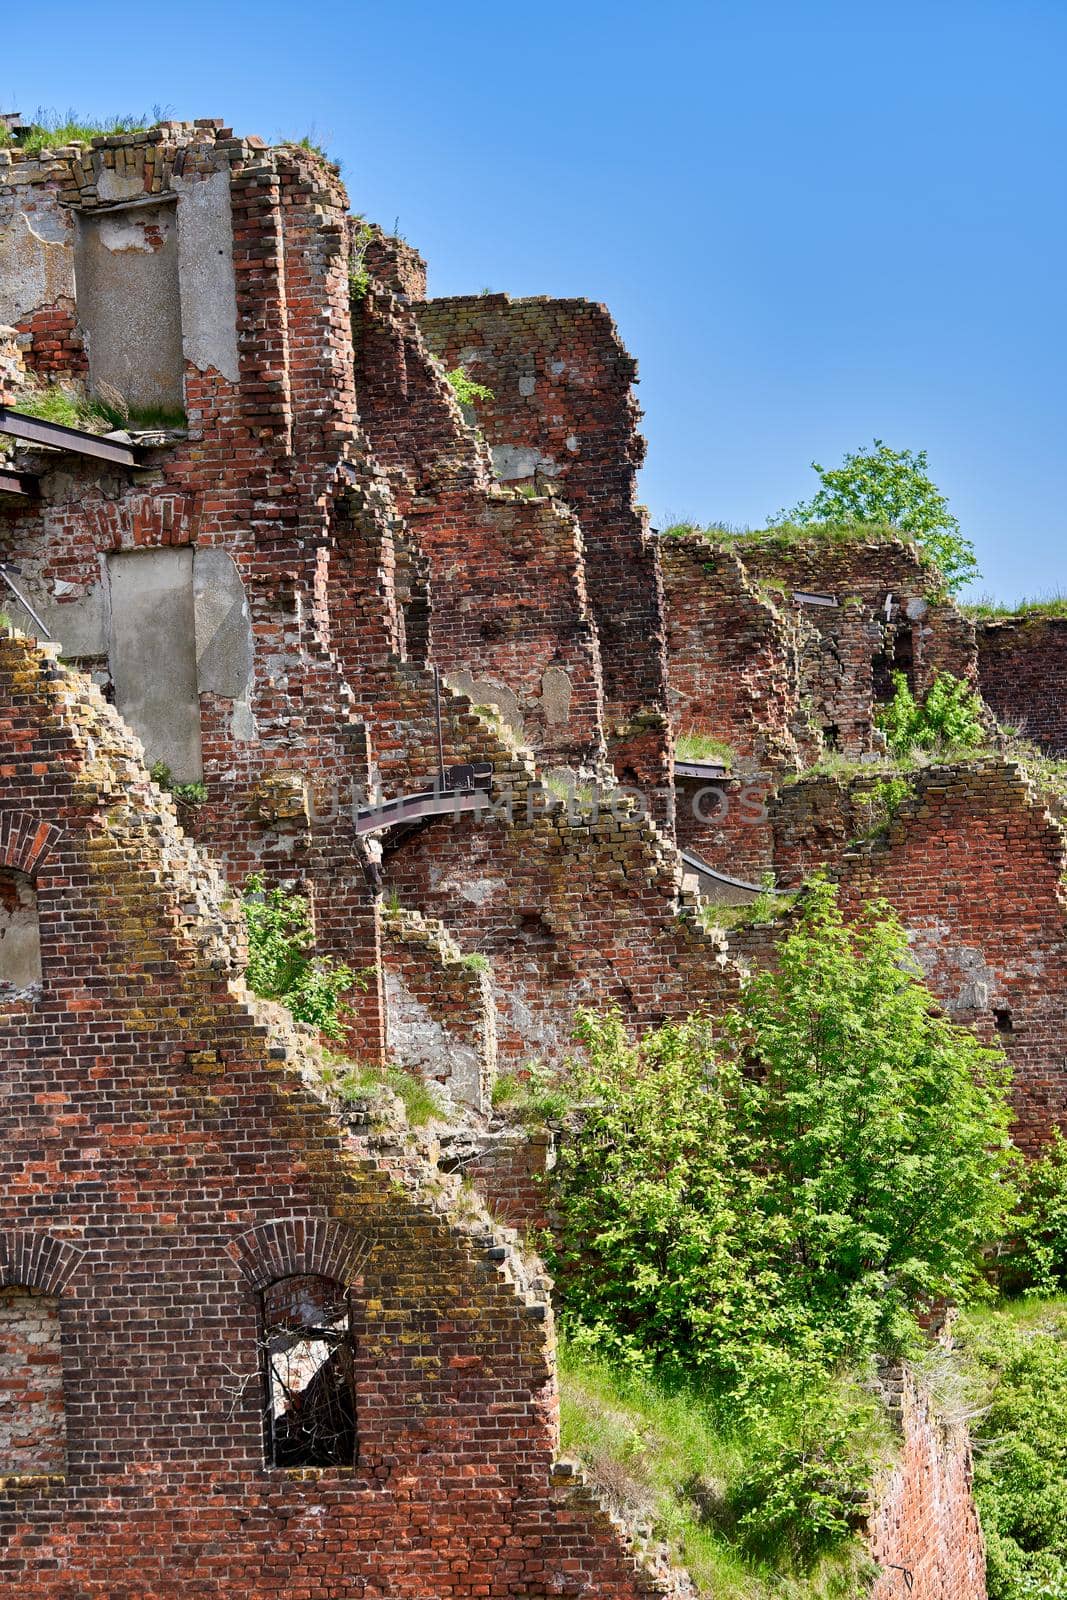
(925, 1533)
(1022, 670)
(563, 411)
(510, 618)
(166, 1158)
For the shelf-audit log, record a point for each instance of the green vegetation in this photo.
(891, 487)
(537, 1096)
(671, 1456)
(358, 275)
(281, 965)
(767, 906)
(102, 413)
(476, 962)
(948, 719)
(420, 1100)
(465, 388)
(1050, 605)
(1016, 1359)
(691, 745)
(186, 794)
(1034, 1259)
(754, 1210)
(49, 130)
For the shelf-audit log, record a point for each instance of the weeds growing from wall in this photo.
(281, 963)
(948, 718)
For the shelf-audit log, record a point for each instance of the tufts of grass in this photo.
(768, 906)
(476, 962)
(985, 608)
(785, 536)
(668, 1461)
(102, 413)
(50, 129)
(692, 745)
(536, 1097)
(420, 1099)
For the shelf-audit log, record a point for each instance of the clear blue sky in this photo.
(814, 221)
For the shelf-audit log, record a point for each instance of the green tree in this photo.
(768, 1199)
(892, 486)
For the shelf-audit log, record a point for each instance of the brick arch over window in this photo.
(292, 1247)
(38, 1261)
(26, 841)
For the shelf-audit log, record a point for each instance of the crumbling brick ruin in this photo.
(251, 1340)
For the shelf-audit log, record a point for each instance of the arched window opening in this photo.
(32, 1425)
(309, 1373)
(20, 933)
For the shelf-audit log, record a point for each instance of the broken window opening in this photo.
(1003, 1019)
(309, 1373)
(32, 1421)
(20, 934)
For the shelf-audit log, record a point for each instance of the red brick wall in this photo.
(165, 1156)
(925, 1533)
(1022, 669)
(563, 410)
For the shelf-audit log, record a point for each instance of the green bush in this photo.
(1036, 1258)
(281, 965)
(950, 717)
(753, 1208)
(1017, 1357)
(892, 487)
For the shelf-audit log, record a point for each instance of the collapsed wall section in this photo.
(562, 411)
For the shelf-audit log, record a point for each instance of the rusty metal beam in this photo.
(76, 440)
(708, 771)
(17, 483)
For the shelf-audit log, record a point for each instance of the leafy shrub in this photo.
(1036, 1258)
(281, 965)
(753, 1208)
(186, 794)
(950, 717)
(1018, 1357)
(465, 388)
(892, 487)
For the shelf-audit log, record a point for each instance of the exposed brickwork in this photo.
(182, 1145)
(1022, 670)
(925, 1533)
(563, 410)
(441, 1010)
(32, 1437)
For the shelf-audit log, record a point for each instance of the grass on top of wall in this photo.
(51, 129)
(986, 609)
(786, 536)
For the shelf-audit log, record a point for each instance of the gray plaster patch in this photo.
(206, 274)
(476, 891)
(520, 461)
(20, 934)
(487, 692)
(527, 384)
(111, 184)
(128, 303)
(556, 693)
(80, 623)
(915, 608)
(36, 254)
(223, 626)
(153, 655)
(424, 1045)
